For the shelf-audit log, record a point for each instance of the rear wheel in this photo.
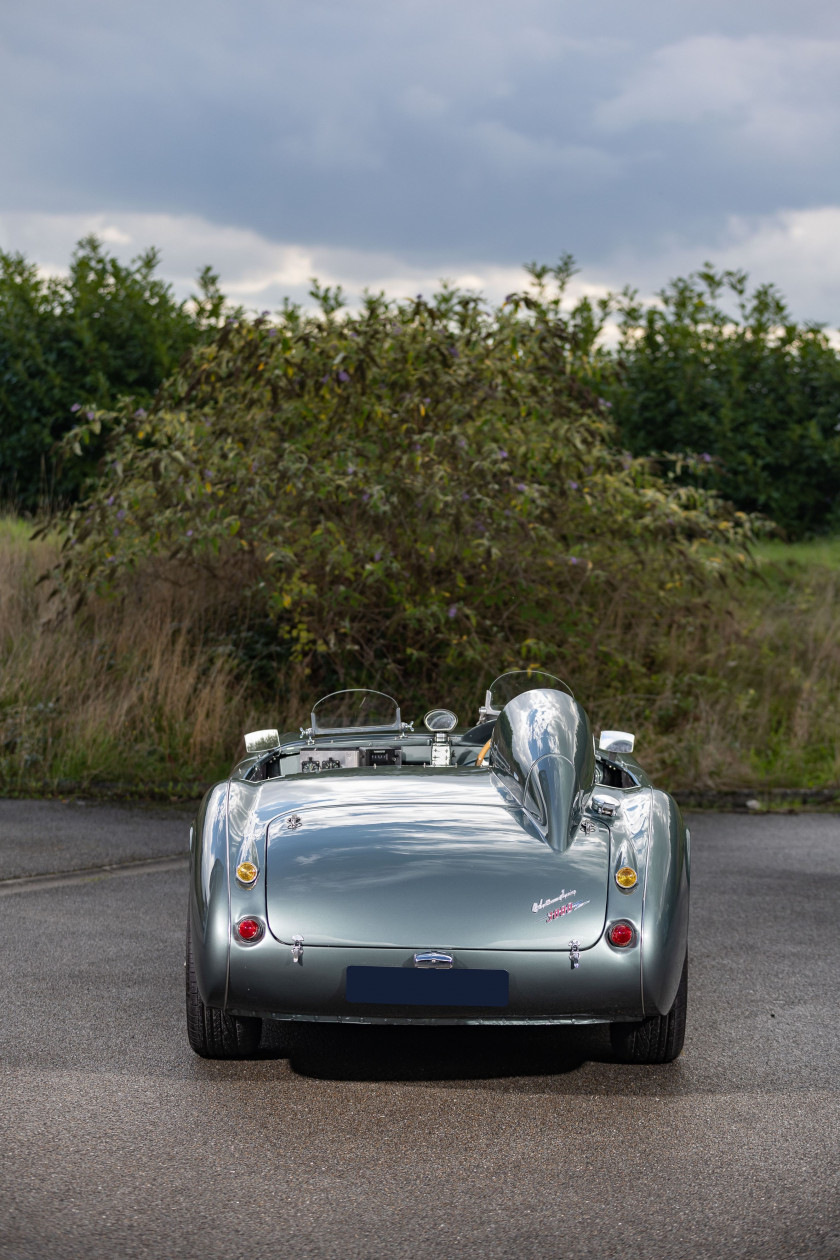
(658, 1039)
(212, 1033)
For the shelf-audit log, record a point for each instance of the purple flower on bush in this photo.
(521, 486)
(706, 457)
(573, 485)
(455, 352)
(116, 533)
(573, 559)
(272, 332)
(452, 611)
(140, 413)
(109, 502)
(325, 379)
(377, 555)
(91, 415)
(189, 533)
(365, 497)
(121, 514)
(343, 376)
(503, 454)
(76, 407)
(465, 495)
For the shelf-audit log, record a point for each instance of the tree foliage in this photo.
(712, 369)
(729, 374)
(403, 494)
(79, 342)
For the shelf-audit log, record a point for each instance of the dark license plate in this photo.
(405, 986)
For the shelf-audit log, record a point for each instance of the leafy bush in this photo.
(756, 393)
(82, 340)
(410, 496)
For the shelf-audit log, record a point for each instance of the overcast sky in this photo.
(391, 142)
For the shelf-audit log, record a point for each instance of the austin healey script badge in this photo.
(541, 905)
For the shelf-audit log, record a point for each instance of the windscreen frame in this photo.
(365, 728)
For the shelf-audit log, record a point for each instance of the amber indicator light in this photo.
(249, 929)
(246, 872)
(621, 934)
(626, 877)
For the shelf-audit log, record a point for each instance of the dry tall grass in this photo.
(749, 694)
(130, 693)
(142, 695)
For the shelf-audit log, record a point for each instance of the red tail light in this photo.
(621, 934)
(249, 929)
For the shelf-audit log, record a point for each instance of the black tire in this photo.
(658, 1039)
(212, 1033)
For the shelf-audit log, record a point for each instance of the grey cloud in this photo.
(432, 130)
(790, 84)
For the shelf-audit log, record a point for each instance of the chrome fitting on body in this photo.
(605, 806)
(435, 959)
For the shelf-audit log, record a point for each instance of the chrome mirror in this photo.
(616, 741)
(440, 720)
(261, 741)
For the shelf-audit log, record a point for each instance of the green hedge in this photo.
(731, 376)
(713, 370)
(75, 342)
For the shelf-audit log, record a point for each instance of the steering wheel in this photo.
(479, 761)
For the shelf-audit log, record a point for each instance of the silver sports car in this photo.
(507, 873)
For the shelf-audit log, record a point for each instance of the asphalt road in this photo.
(115, 1140)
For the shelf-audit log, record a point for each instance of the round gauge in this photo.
(440, 720)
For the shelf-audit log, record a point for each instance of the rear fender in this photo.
(665, 913)
(209, 898)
